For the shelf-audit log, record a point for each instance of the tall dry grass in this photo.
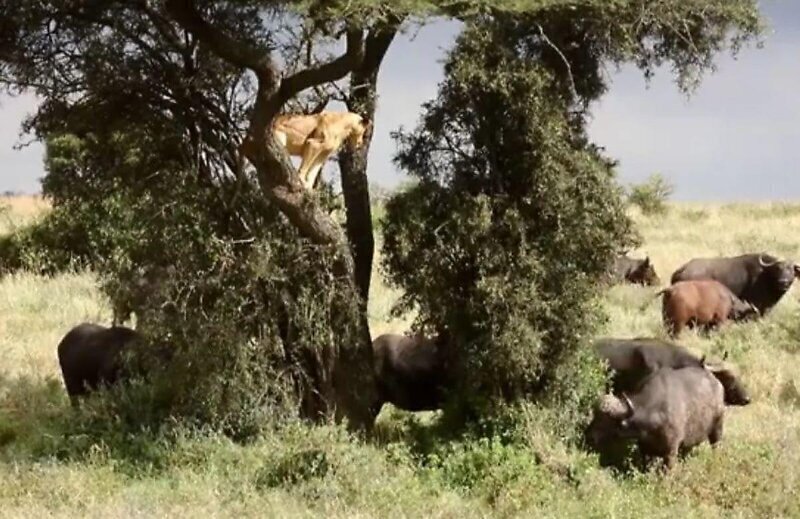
(321, 471)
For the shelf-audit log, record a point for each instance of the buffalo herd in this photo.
(662, 396)
(707, 292)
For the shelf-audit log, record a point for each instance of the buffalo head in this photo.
(743, 310)
(607, 424)
(645, 274)
(735, 392)
(778, 273)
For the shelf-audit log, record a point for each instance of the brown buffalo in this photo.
(705, 303)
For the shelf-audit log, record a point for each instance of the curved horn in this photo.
(765, 264)
(628, 403)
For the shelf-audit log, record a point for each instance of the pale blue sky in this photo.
(736, 138)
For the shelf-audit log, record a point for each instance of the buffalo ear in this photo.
(647, 261)
(796, 270)
(640, 360)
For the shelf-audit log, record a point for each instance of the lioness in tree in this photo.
(316, 137)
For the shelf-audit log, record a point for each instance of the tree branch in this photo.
(378, 42)
(326, 72)
(549, 42)
(234, 51)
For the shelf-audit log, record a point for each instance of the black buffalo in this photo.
(672, 410)
(410, 371)
(632, 270)
(92, 356)
(633, 360)
(759, 279)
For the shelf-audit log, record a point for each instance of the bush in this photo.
(256, 319)
(651, 196)
(504, 237)
(256, 325)
(53, 243)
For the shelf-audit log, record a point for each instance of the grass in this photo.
(305, 471)
(16, 211)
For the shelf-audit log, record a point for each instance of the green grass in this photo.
(305, 471)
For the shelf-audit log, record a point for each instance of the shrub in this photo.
(256, 325)
(256, 318)
(53, 243)
(651, 196)
(512, 222)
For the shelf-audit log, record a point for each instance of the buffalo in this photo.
(705, 303)
(672, 410)
(410, 371)
(760, 279)
(633, 360)
(632, 270)
(92, 356)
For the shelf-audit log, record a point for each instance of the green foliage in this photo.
(256, 320)
(51, 244)
(651, 196)
(512, 222)
(295, 467)
(256, 324)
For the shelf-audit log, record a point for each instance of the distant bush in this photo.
(651, 196)
(55, 242)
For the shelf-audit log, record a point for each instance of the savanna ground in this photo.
(321, 471)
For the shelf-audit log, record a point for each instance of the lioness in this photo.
(316, 137)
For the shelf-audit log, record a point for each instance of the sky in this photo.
(737, 137)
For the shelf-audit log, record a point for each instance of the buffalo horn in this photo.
(628, 403)
(763, 263)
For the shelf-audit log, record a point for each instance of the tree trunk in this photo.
(354, 368)
(353, 163)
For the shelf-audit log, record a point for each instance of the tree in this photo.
(516, 214)
(162, 95)
(651, 196)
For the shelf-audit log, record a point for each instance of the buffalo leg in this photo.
(673, 328)
(716, 433)
(671, 458)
